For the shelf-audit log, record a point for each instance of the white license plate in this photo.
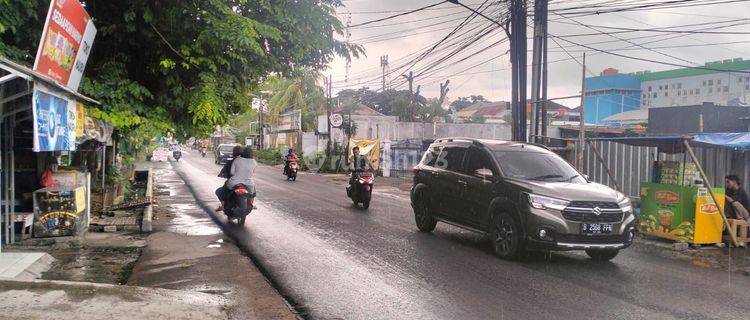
(596, 228)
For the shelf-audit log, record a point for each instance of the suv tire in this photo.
(422, 216)
(602, 255)
(506, 237)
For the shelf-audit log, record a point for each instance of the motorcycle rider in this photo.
(226, 173)
(242, 172)
(288, 159)
(357, 163)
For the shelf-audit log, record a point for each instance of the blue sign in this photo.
(54, 122)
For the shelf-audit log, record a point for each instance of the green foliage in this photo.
(400, 103)
(268, 156)
(463, 102)
(189, 64)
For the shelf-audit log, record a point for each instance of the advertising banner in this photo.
(66, 42)
(54, 121)
(369, 148)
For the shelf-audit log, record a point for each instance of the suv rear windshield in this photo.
(226, 149)
(536, 166)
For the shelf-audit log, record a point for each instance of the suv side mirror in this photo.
(484, 173)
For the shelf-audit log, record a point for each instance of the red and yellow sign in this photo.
(66, 42)
(666, 197)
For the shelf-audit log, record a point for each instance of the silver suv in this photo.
(522, 196)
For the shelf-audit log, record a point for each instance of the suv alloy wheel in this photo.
(505, 234)
(425, 221)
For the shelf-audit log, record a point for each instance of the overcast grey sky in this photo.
(404, 36)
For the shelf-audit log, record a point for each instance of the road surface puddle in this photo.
(188, 224)
(216, 244)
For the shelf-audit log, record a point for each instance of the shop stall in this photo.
(679, 202)
(40, 123)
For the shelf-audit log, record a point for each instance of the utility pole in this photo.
(544, 83)
(384, 67)
(410, 79)
(329, 84)
(517, 36)
(582, 125)
(540, 19)
(260, 122)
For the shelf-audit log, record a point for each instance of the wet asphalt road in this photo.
(336, 261)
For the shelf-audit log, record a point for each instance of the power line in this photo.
(397, 15)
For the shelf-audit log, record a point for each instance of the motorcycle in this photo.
(238, 206)
(361, 190)
(203, 152)
(176, 155)
(291, 170)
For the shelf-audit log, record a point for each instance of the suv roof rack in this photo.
(472, 140)
(478, 142)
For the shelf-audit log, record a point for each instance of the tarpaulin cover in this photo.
(674, 144)
(735, 140)
(666, 144)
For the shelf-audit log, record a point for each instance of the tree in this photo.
(463, 102)
(189, 64)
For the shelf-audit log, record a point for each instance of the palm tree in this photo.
(297, 93)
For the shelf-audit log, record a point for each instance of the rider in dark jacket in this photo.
(225, 173)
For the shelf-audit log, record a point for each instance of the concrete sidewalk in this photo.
(187, 251)
(46, 299)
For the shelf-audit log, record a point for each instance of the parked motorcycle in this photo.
(177, 154)
(238, 205)
(291, 170)
(361, 190)
(203, 152)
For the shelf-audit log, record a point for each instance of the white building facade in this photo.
(725, 83)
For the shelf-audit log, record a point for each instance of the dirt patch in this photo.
(111, 265)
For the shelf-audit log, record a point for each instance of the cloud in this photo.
(492, 79)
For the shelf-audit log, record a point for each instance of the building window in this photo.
(711, 82)
(666, 93)
(726, 88)
(747, 79)
(747, 87)
(654, 95)
(679, 86)
(718, 82)
(710, 90)
(649, 88)
(690, 92)
(704, 83)
(739, 80)
(697, 91)
(679, 93)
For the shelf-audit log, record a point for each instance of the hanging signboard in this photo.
(80, 120)
(54, 121)
(290, 121)
(66, 42)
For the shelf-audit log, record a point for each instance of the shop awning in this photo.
(674, 144)
(735, 140)
(15, 70)
(666, 144)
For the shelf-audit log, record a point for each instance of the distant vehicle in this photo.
(522, 196)
(223, 153)
(160, 155)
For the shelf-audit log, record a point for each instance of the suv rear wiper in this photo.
(548, 176)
